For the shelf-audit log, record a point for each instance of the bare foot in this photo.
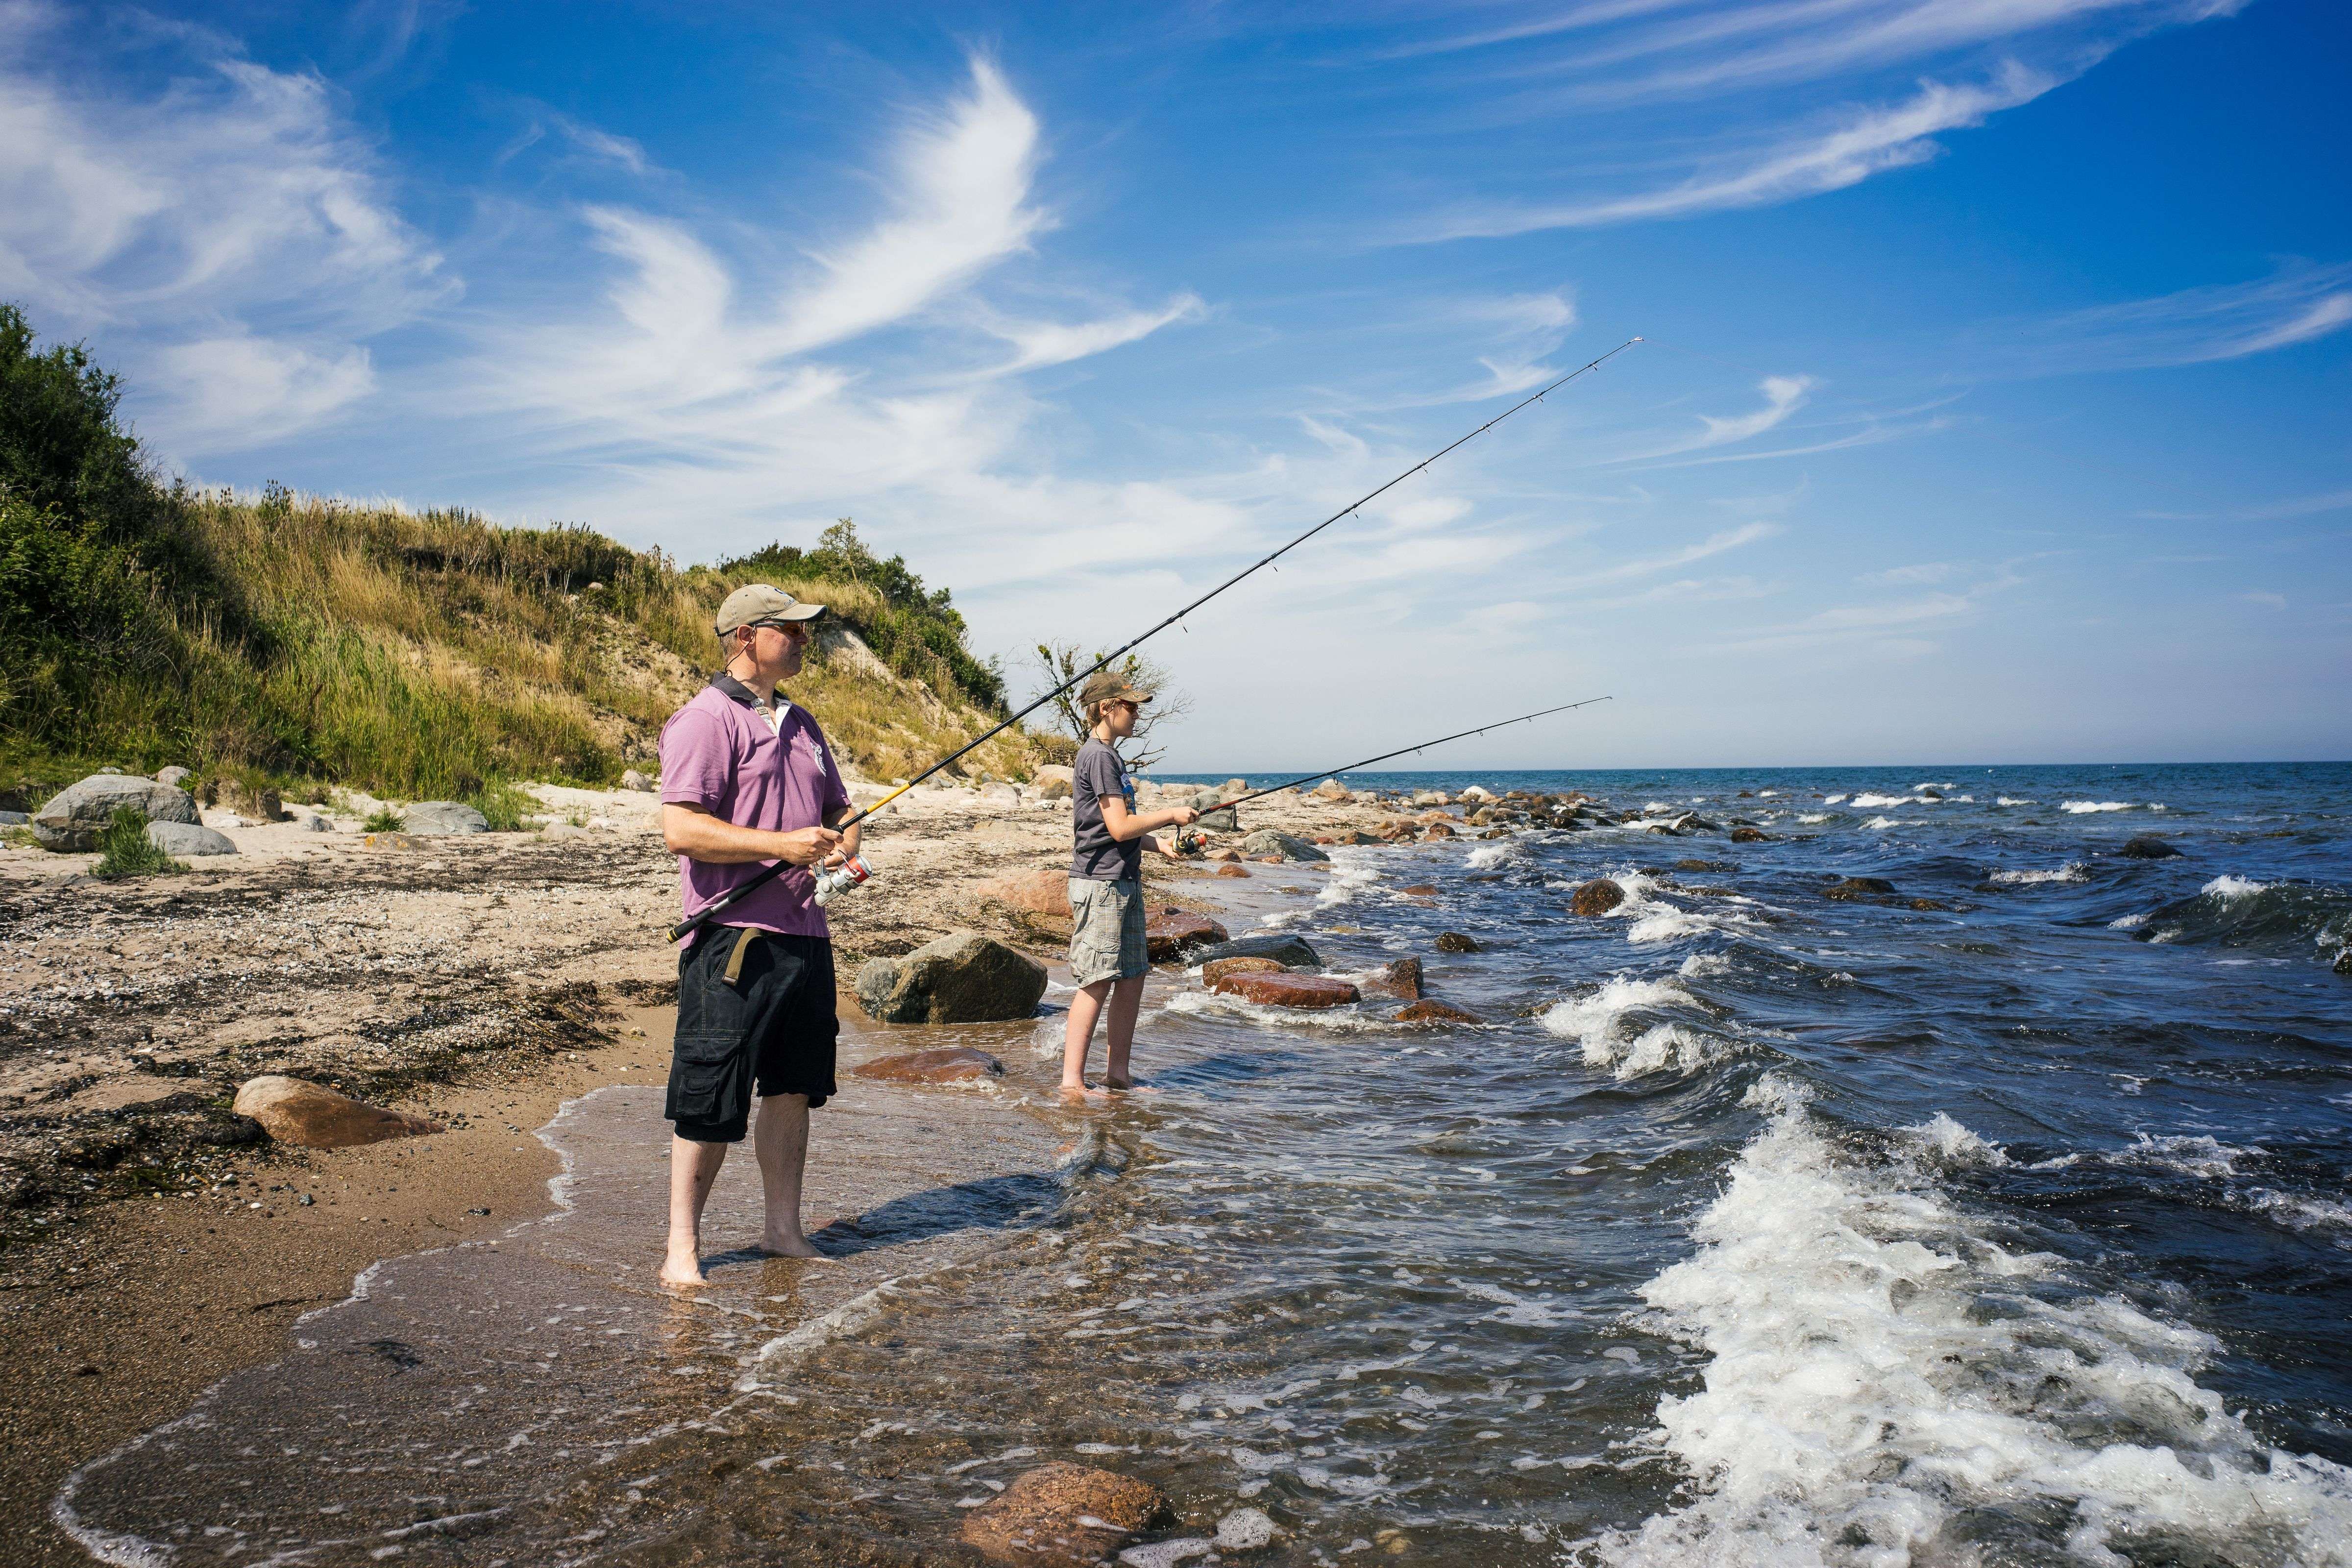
(788, 1247)
(1127, 1086)
(1079, 1094)
(683, 1271)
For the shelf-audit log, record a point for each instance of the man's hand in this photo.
(804, 845)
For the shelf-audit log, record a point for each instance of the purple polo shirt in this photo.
(718, 753)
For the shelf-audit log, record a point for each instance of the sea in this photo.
(2000, 1219)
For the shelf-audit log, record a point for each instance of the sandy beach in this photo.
(482, 981)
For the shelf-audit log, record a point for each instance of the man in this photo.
(1109, 958)
(746, 778)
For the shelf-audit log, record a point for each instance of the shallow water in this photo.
(1751, 1228)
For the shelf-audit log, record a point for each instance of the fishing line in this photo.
(768, 873)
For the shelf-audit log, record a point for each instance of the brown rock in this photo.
(1455, 942)
(1332, 789)
(1401, 980)
(1032, 893)
(1062, 1515)
(1327, 839)
(309, 1116)
(1217, 969)
(1227, 855)
(1597, 897)
(1437, 830)
(1496, 833)
(2343, 965)
(1233, 870)
(1929, 904)
(1858, 888)
(1420, 890)
(946, 1063)
(1170, 932)
(1750, 836)
(1428, 1012)
(1288, 990)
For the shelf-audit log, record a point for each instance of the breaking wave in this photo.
(2072, 871)
(2238, 912)
(2084, 808)
(1609, 1024)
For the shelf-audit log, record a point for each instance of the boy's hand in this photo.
(1182, 816)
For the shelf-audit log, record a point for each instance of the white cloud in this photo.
(1896, 576)
(1038, 344)
(1714, 544)
(226, 394)
(2263, 511)
(226, 207)
(2299, 304)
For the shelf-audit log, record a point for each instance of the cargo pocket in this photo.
(700, 1070)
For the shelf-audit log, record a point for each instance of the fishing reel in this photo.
(1192, 841)
(851, 873)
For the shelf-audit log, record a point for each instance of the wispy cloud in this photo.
(1644, 567)
(2263, 511)
(2267, 600)
(1902, 619)
(2299, 304)
(1037, 344)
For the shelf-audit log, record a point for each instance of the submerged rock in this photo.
(1858, 888)
(1217, 969)
(1750, 836)
(1430, 1012)
(946, 1063)
(1437, 830)
(2147, 847)
(188, 838)
(1401, 980)
(310, 1116)
(1597, 897)
(74, 817)
(1245, 1529)
(1272, 990)
(961, 978)
(1291, 952)
(440, 817)
(2344, 960)
(1062, 1515)
(1286, 846)
(1455, 942)
(1169, 932)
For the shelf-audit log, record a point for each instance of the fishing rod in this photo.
(1190, 839)
(768, 873)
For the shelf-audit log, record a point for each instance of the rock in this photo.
(1054, 773)
(259, 802)
(1750, 835)
(1245, 1529)
(15, 818)
(1216, 969)
(1233, 870)
(1597, 897)
(1858, 888)
(188, 838)
(1496, 833)
(1054, 789)
(552, 830)
(2146, 847)
(1929, 904)
(1714, 866)
(1233, 787)
(1288, 847)
(1430, 797)
(1420, 890)
(1478, 792)
(1271, 989)
(1692, 822)
(74, 817)
(1428, 1012)
(312, 822)
(409, 840)
(1167, 932)
(1480, 817)
(1401, 980)
(1437, 830)
(439, 817)
(1002, 794)
(1332, 789)
(1167, 1553)
(961, 978)
(1062, 1515)
(1227, 821)
(947, 1064)
(637, 779)
(1227, 855)
(309, 1116)
(1455, 942)
(110, 770)
(2343, 965)
(1032, 893)
(174, 777)
(1291, 952)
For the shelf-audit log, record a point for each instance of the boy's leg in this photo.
(693, 1167)
(1077, 1036)
(1126, 1005)
(781, 1140)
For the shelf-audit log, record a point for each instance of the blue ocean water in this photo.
(1999, 1219)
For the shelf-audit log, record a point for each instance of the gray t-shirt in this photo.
(1095, 856)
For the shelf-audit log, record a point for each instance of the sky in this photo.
(1994, 400)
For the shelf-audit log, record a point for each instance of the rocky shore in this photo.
(156, 1238)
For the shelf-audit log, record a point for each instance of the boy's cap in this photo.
(1105, 687)
(756, 602)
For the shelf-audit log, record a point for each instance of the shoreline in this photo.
(179, 1266)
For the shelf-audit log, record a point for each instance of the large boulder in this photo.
(1167, 932)
(1272, 990)
(1226, 821)
(1053, 789)
(963, 978)
(443, 816)
(2146, 847)
(1287, 847)
(1597, 897)
(1031, 892)
(188, 838)
(1291, 952)
(1217, 969)
(1333, 790)
(74, 817)
(1062, 1515)
(310, 1116)
(944, 1064)
(173, 776)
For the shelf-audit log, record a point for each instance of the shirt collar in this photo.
(735, 689)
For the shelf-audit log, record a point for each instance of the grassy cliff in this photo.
(310, 641)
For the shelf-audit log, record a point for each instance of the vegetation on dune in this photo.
(125, 850)
(302, 640)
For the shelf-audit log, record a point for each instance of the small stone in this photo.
(1245, 1529)
(172, 776)
(1401, 980)
(1062, 1515)
(1455, 942)
(1750, 835)
(1269, 990)
(305, 1201)
(945, 1064)
(1332, 789)
(1420, 890)
(1929, 904)
(1216, 969)
(1233, 870)
(636, 779)
(2146, 847)
(1431, 1012)
(1437, 830)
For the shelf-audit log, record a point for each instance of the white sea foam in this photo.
(1831, 799)
(1945, 788)
(1486, 857)
(2179, 1154)
(1700, 965)
(1881, 821)
(2226, 887)
(1946, 1142)
(1767, 794)
(1883, 1372)
(2329, 1221)
(1352, 872)
(2084, 807)
(1813, 817)
(1879, 802)
(2072, 871)
(1600, 1022)
(2014, 800)
(2128, 922)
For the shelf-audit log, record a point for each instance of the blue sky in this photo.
(1993, 405)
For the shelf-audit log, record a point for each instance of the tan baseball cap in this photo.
(1106, 686)
(756, 602)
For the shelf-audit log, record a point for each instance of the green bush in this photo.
(384, 819)
(125, 850)
(503, 805)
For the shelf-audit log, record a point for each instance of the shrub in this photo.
(383, 819)
(125, 850)
(503, 805)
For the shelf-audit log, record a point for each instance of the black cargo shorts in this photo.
(754, 1007)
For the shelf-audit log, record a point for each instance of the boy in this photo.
(1108, 957)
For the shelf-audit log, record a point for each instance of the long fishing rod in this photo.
(767, 874)
(1400, 751)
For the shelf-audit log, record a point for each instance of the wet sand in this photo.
(483, 982)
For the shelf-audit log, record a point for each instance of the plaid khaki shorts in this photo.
(1106, 931)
